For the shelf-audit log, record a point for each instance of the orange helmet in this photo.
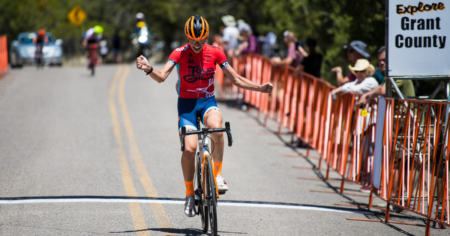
(41, 32)
(196, 28)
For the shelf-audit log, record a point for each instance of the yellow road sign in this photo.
(76, 16)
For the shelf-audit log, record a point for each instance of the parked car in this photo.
(23, 50)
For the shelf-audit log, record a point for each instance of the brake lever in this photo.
(230, 137)
(183, 134)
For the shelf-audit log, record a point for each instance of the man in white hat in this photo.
(230, 35)
(364, 82)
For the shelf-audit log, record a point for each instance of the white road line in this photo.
(179, 202)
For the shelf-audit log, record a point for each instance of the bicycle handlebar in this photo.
(206, 131)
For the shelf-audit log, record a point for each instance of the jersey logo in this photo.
(208, 58)
(198, 73)
(191, 61)
(184, 48)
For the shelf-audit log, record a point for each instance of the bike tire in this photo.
(211, 191)
(93, 70)
(202, 209)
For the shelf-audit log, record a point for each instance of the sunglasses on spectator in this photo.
(359, 71)
(351, 50)
(201, 42)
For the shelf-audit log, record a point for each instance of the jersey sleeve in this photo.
(174, 57)
(221, 59)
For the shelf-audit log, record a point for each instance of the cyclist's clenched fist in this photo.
(142, 63)
(266, 88)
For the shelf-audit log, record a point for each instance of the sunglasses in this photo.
(351, 50)
(359, 71)
(201, 42)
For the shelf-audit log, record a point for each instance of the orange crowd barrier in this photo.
(415, 159)
(3, 56)
(404, 157)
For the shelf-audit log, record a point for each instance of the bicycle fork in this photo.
(204, 151)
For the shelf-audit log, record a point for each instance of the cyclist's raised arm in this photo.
(244, 83)
(158, 76)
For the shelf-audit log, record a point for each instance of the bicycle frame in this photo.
(203, 145)
(202, 156)
(206, 206)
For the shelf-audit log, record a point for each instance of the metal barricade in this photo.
(415, 159)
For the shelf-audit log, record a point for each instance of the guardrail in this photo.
(3, 56)
(403, 158)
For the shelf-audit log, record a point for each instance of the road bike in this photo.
(92, 57)
(39, 56)
(206, 187)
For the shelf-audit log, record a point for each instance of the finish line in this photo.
(13, 201)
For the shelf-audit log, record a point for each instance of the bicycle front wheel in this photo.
(211, 196)
(203, 209)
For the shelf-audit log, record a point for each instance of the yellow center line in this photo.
(157, 208)
(135, 209)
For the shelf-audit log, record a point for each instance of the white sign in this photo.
(419, 38)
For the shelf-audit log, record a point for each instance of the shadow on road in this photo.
(188, 232)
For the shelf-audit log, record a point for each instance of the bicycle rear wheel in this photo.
(211, 196)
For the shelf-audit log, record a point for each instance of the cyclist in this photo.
(39, 40)
(140, 22)
(196, 64)
(92, 36)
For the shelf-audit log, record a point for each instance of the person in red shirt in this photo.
(196, 65)
(40, 40)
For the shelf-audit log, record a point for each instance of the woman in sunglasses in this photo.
(364, 82)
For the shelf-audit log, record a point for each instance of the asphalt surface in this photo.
(83, 155)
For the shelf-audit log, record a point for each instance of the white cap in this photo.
(244, 27)
(240, 21)
(229, 20)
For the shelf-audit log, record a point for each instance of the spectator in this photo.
(293, 58)
(230, 35)
(406, 87)
(356, 50)
(363, 83)
(269, 45)
(115, 47)
(217, 41)
(312, 63)
(249, 41)
(104, 50)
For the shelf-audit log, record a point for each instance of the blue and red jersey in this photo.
(196, 71)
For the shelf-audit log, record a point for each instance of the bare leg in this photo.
(188, 157)
(214, 121)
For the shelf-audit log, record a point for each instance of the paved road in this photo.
(84, 155)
